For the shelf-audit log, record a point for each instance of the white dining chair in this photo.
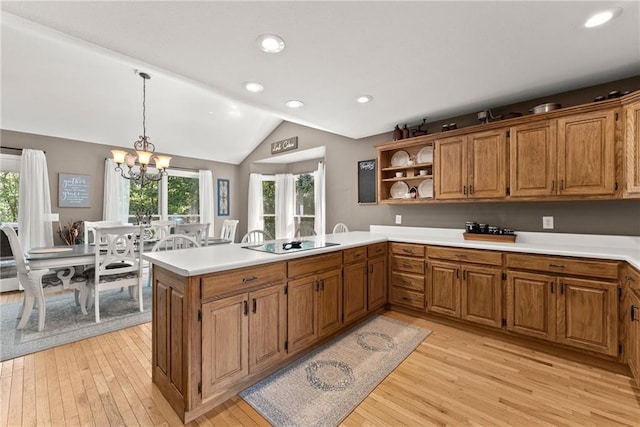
(31, 281)
(228, 230)
(256, 236)
(198, 231)
(340, 228)
(163, 228)
(90, 226)
(175, 241)
(120, 267)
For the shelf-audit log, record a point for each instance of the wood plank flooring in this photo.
(455, 377)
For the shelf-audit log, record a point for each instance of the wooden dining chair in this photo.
(198, 231)
(120, 267)
(31, 281)
(256, 236)
(175, 241)
(340, 228)
(228, 231)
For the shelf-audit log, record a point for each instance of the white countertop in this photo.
(211, 259)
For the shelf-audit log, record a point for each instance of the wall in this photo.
(78, 157)
(342, 154)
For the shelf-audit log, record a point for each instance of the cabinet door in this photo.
(481, 298)
(224, 342)
(302, 324)
(443, 287)
(634, 335)
(632, 150)
(267, 327)
(450, 168)
(330, 302)
(355, 291)
(377, 283)
(487, 164)
(588, 315)
(533, 165)
(586, 164)
(531, 308)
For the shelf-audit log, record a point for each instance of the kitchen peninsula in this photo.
(226, 317)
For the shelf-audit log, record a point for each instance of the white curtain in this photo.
(206, 199)
(255, 220)
(34, 201)
(285, 204)
(319, 199)
(116, 194)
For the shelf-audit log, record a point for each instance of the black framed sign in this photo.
(223, 197)
(367, 181)
(73, 191)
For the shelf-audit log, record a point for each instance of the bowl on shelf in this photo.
(398, 174)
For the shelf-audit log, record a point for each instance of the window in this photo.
(269, 204)
(304, 203)
(180, 190)
(9, 187)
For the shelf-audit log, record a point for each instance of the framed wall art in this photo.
(223, 197)
(73, 191)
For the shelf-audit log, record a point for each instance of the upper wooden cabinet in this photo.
(471, 166)
(533, 156)
(632, 149)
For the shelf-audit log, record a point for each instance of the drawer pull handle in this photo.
(255, 305)
(406, 282)
(553, 185)
(633, 314)
(557, 265)
(405, 265)
(249, 279)
(407, 251)
(471, 189)
(358, 254)
(562, 184)
(630, 278)
(551, 283)
(246, 307)
(405, 298)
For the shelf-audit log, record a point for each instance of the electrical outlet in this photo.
(547, 222)
(398, 219)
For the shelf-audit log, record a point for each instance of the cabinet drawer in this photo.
(315, 264)
(405, 297)
(465, 255)
(408, 281)
(407, 249)
(411, 265)
(355, 254)
(241, 279)
(562, 265)
(377, 249)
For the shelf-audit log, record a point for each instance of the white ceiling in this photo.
(68, 67)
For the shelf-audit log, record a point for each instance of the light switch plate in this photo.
(547, 222)
(398, 219)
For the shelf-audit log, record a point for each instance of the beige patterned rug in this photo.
(323, 387)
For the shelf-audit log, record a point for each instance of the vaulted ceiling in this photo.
(68, 68)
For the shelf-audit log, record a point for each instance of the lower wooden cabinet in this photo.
(633, 328)
(329, 302)
(355, 291)
(579, 313)
(376, 283)
(241, 335)
(443, 288)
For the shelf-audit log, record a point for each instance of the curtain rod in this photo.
(17, 149)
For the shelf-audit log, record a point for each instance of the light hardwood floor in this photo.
(455, 377)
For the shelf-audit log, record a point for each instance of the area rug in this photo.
(65, 323)
(323, 387)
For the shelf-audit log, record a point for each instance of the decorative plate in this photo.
(399, 189)
(425, 189)
(400, 158)
(425, 155)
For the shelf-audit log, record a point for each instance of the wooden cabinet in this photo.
(570, 156)
(471, 290)
(241, 335)
(471, 166)
(578, 312)
(377, 280)
(314, 306)
(355, 291)
(406, 286)
(632, 148)
(633, 328)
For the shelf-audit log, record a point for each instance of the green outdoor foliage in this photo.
(183, 198)
(9, 189)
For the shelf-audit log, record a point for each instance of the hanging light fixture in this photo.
(144, 149)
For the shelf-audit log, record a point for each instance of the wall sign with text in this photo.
(73, 191)
(284, 145)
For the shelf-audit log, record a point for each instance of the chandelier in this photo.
(144, 149)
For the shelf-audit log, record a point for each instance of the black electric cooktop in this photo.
(286, 246)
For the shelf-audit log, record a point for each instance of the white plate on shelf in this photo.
(400, 158)
(425, 189)
(399, 189)
(425, 155)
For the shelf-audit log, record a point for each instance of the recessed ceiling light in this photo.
(253, 87)
(602, 17)
(294, 103)
(270, 43)
(364, 99)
